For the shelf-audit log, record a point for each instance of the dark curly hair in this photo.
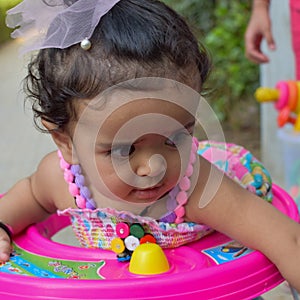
(136, 38)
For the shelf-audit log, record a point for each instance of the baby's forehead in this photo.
(157, 112)
(153, 102)
(144, 109)
(143, 91)
(133, 120)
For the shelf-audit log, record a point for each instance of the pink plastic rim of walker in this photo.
(197, 276)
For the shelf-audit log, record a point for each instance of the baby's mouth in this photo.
(148, 193)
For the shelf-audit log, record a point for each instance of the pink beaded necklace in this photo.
(76, 181)
(178, 195)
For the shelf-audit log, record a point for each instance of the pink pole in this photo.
(295, 30)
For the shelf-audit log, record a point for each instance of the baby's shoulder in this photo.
(49, 171)
(49, 180)
(49, 165)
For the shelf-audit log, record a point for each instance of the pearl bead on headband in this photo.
(56, 23)
(86, 44)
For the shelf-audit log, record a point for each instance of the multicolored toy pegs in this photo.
(130, 236)
(286, 96)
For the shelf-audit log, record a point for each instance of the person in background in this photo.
(260, 27)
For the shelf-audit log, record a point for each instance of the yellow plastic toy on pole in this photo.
(286, 98)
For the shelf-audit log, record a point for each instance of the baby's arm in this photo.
(251, 221)
(18, 208)
(27, 202)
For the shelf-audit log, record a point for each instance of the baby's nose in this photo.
(153, 166)
(157, 164)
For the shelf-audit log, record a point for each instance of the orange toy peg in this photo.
(298, 101)
(283, 116)
(293, 95)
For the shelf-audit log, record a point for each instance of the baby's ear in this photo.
(63, 141)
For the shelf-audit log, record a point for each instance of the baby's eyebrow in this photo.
(109, 145)
(125, 143)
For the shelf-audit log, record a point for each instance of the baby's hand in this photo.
(5, 246)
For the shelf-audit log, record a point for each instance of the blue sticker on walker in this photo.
(227, 252)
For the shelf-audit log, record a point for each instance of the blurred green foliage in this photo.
(221, 25)
(4, 30)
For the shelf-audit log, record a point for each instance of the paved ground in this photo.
(22, 145)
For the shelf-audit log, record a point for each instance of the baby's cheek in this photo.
(175, 167)
(114, 184)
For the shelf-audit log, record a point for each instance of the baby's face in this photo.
(140, 150)
(134, 150)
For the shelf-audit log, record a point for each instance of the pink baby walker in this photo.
(207, 269)
(214, 267)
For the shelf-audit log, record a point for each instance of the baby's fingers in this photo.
(5, 249)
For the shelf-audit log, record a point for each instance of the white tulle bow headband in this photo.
(56, 23)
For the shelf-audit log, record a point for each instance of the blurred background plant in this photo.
(220, 25)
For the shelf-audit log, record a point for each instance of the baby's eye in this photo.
(178, 138)
(122, 151)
